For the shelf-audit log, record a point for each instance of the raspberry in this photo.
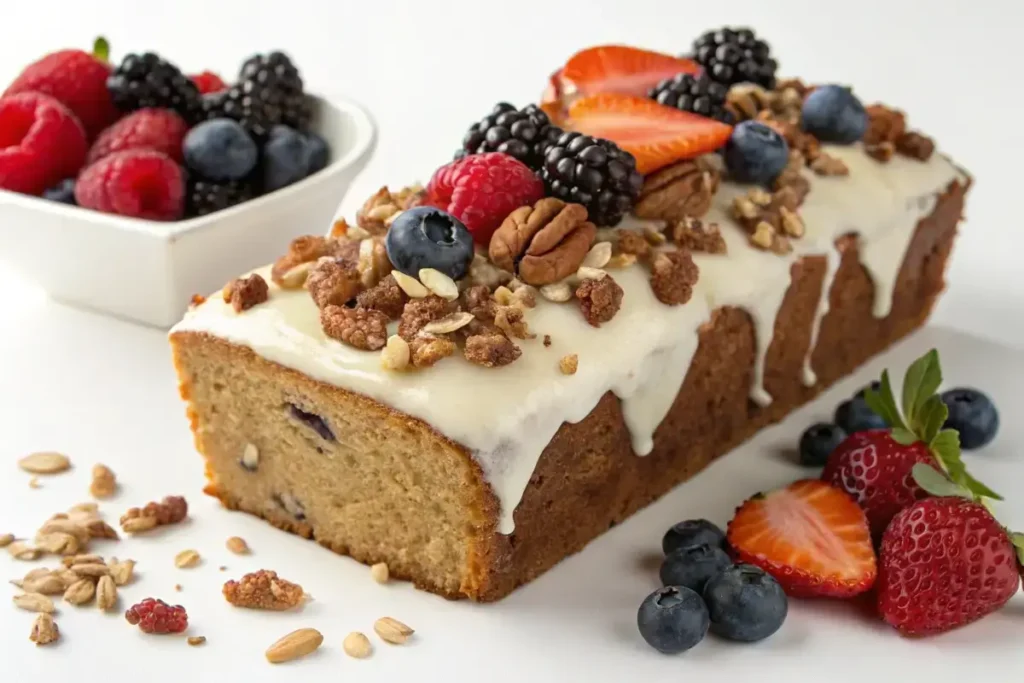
(41, 143)
(76, 79)
(139, 183)
(482, 189)
(209, 82)
(161, 130)
(156, 616)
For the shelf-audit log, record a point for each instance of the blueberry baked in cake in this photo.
(598, 295)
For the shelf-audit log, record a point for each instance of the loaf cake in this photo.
(473, 424)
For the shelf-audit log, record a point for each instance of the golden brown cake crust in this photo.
(588, 478)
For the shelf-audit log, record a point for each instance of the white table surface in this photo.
(103, 390)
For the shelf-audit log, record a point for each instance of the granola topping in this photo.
(334, 281)
(599, 299)
(673, 274)
(362, 328)
(244, 293)
(696, 235)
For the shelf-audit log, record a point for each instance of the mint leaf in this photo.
(903, 436)
(946, 449)
(922, 379)
(932, 413)
(884, 403)
(979, 489)
(936, 483)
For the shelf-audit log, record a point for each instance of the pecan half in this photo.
(543, 243)
(683, 189)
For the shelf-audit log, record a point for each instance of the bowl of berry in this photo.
(128, 186)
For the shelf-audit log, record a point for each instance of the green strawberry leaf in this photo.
(946, 449)
(884, 403)
(979, 489)
(922, 379)
(101, 49)
(932, 414)
(937, 483)
(903, 436)
(1018, 543)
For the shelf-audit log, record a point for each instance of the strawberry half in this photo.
(620, 69)
(655, 134)
(811, 537)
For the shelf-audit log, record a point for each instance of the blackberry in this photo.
(147, 80)
(695, 94)
(592, 172)
(521, 133)
(206, 197)
(269, 91)
(732, 56)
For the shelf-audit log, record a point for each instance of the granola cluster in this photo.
(887, 135)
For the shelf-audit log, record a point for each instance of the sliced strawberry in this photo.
(621, 69)
(811, 537)
(655, 134)
(552, 100)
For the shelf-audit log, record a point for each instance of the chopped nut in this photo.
(392, 631)
(44, 630)
(104, 482)
(764, 235)
(621, 261)
(47, 462)
(633, 243)
(380, 210)
(196, 301)
(439, 283)
(569, 364)
(380, 572)
(525, 296)
(746, 100)
(80, 592)
(20, 550)
(695, 235)
(685, 188)
(559, 292)
(449, 323)
(915, 146)
(386, 296)
(598, 256)
(263, 590)
(412, 287)
(599, 299)
(34, 602)
(33, 483)
(358, 327)
(884, 125)
(6, 540)
(511, 321)
(759, 197)
(106, 593)
(395, 355)
(244, 293)
(294, 645)
(543, 243)
(491, 350)
(237, 545)
(195, 640)
(186, 559)
(419, 312)
(827, 165)
(792, 224)
(357, 645)
(654, 237)
(296, 276)
(483, 272)
(250, 457)
(673, 275)
(585, 273)
(334, 281)
(547, 340)
(373, 263)
(426, 350)
(290, 271)
(503, 296)
(882, 152)
(121, 571)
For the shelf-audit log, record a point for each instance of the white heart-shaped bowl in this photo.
(147, 271)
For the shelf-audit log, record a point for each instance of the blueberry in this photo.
(693, 566)
(314, 421)
(818, 442)
(286, 158)
(855, 416)
(220, 150)
(692, 532)
(319, 152)
(755, 153)
(973, 414)
(833, 113)
(63, 192)
(745, 603)
(426, 237)
(673, 619)
(874, 386)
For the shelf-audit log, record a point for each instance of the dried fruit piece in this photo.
(392, 631)
(156, 616)
(171, 510)
(45, 462)
(294, 645)
(263, 590)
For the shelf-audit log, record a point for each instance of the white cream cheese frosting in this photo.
(507, 416)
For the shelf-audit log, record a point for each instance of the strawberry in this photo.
(811, 537)
(208, 82)
(653, 133)
(877, 467)
(944, 562)
(620, 69)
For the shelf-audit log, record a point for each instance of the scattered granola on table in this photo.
(263, 589)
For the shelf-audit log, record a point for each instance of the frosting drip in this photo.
(506, 417)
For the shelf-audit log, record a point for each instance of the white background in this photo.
(103, 391)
